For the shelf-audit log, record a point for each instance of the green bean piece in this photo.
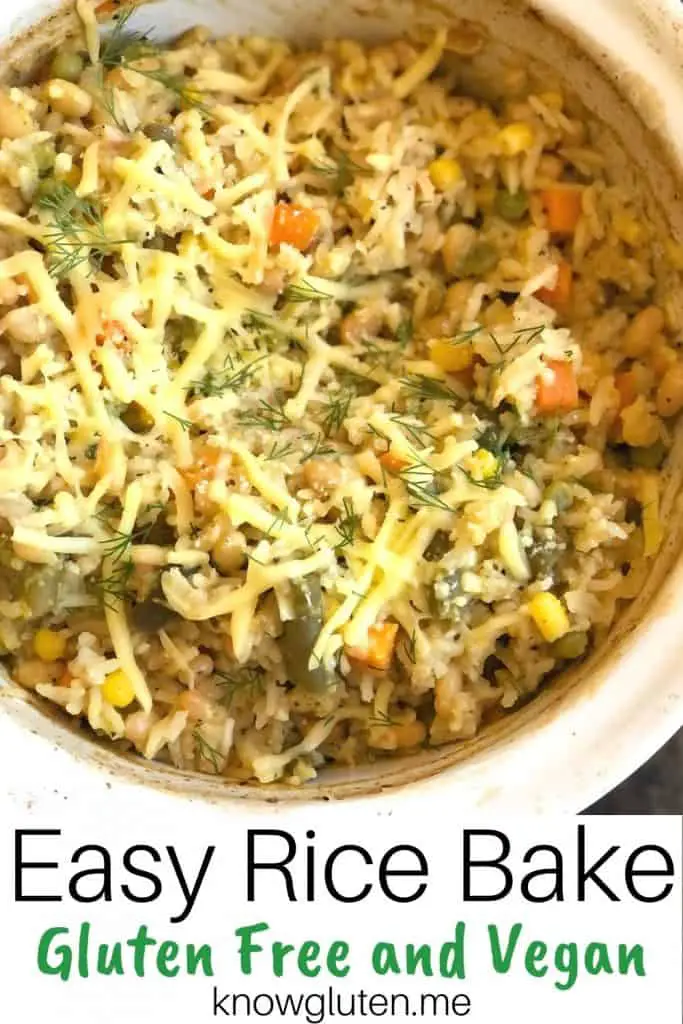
(561, 494)
(648, 458)
(149, 616)
(570, 646)
(161, 133)
(481, 258)
(543, 560)
(439, 546)
(67, 65)
(511, 206)
(300, 634)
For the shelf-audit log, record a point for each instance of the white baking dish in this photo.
(591, 729)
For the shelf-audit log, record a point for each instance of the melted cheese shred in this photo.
(114, 609)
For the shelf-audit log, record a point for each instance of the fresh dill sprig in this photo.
(336, 411)
(381, 718)
(124, 48)
(341, 170)
(114, 587)
(184, 423)
(429, 388)
(280, 520)
(204, 749)
(266, 415)
(279, 450)
(318, 448)
(75, 233)
(227, 379)
(526, 334)
(421, 483)
(248, 681)
(404, 333)
(304, 291)
(347, 525)
(414, 428)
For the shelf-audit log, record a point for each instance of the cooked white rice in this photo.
(335, 390)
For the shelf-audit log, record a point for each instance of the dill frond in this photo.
(75, 232)
(204, 749)
(245, 682)
(266, 415)
(304, 291)
(228, 379)
(185, 424)
(347, 525)
(124, 48)
(341, 170)
(336, 411)
(429, 388)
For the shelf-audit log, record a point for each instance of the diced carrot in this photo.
(113, 331)
(563, 206)
(205, 466)
(392, 462)
(625, 383)
(108, 7)
(380, 648)
(560, 296)
(562, 393)
(293, 224)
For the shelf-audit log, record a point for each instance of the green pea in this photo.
(481, 258)
(511, 206)
(160, 133)
(570, 647)
(648, 458)
(137, 419)
(561, 494)
(67, 65)
(44, 156)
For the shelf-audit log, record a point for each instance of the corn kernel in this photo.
(550, 616)
(49, 645)
(674, 253)
(450, 357)
(445, 173)
(482, 465)
(118, 690)
(515, 138)
(553, 100)
(653, 531)
(628, 229)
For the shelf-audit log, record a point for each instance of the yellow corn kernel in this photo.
(445, 173)
(450, 357)
(674, 253)
(550, 616)
(482, 465)
(49, 645)
(515, 138)
(118, 690)
(553, 100)
(485, 197)
(628, 229)
(653, 531)
(640, 427)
